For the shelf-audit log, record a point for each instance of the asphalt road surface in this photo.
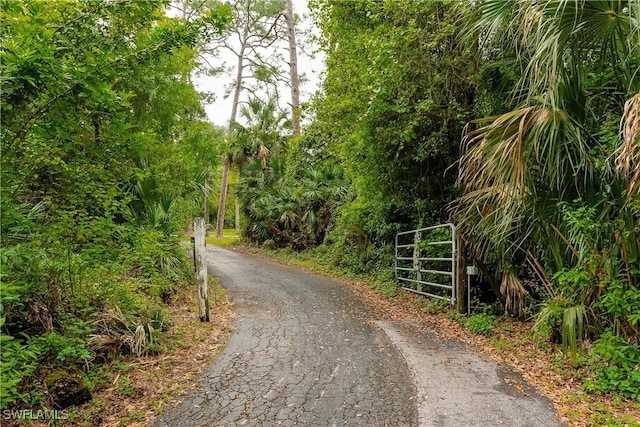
(305, 351)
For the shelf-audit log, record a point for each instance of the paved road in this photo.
(305, 351)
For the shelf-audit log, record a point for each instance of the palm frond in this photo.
(628, 154)
(263, 154)
(514, 292)
(493, 219)
(573, 319)
(494, 154)
(570, 320)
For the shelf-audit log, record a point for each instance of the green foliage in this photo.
(393, 108)
(66, 349)
(24, 356)
(538, 173)
(18, 361)
(572, 328)
(622, 303)
(568, 321)
(290, 211)
(386, 286)
(125, 387)
(229, 238)
(616, 367)
(615, 421)
(102, 152)
(457, 316)
(482, 323)
(432, 305)
(594, 290)
(155, 253)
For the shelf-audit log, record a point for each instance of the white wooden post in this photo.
(200, 230)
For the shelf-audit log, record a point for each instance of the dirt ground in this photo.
(136, 390)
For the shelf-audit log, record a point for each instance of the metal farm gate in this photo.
(426, 261)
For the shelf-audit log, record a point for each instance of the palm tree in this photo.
(262, 193)
(579, 63)
(262, 133)
(260, 138)
(324, 188)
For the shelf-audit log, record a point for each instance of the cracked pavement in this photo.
(305, 351)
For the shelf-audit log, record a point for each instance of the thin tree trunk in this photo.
(206, 200)
(293, 70)
(461, 277)
(237, 217)
(223, 199)
(237, 88)
(225, 172)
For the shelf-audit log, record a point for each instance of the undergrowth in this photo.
(64, 314)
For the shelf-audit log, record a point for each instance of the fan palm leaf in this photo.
(518, 167)
(548, 34)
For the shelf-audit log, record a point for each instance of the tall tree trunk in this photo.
(237, 87)
(462, 302)
(223, 198)
(293, 70)
(206, 200)
(227, 163)
(237, 217)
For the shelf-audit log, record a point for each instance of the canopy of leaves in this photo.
(398, 89)
(543, 95)
(103, 146)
